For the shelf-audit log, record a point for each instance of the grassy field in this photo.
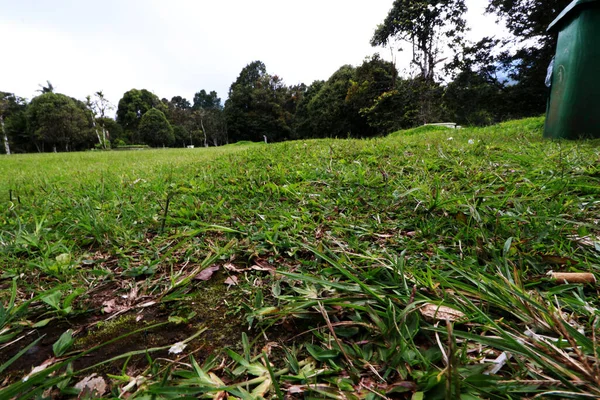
(416, 266)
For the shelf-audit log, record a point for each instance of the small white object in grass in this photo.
(40, 368)
(471, 141)
(450, 138)
(177, 348)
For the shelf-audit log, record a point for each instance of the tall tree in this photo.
(13, 123)
(304, 126)
(256, 106)
(4, 110)
(132, 106)
(155, 130)
(98, 106)
(426, 25)
(329, 112)
(372, 79)
(529, 52)
(207, 101)
(49, 88)
(59, 121)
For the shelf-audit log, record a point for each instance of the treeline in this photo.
(485, 82)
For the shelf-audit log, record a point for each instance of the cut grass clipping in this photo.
(431, 264)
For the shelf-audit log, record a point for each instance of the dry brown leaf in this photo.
(232, 268)
(441, 313)
(40, 368)
(207, 273)
(109, 306)
(558, 260)
(296, 389)
(266, 267)
(92, 384)
(231, 281)
(133, 295)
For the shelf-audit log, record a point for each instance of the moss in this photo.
(107, 330)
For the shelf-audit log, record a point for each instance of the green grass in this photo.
(337, 246)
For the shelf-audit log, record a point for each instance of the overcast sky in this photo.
(178, 47)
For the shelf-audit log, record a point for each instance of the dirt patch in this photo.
(212, 305)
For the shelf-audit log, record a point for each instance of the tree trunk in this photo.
(97, 133)
(104, 138)
(204, 131)
(6, 145)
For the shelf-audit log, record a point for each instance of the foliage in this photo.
(471, 100)
(424, 25)
(155, 130)
(207, 101)
(329, 113)
(14, 122)
(132, 106)
(529, 53)
(58, 121)
(255, 108)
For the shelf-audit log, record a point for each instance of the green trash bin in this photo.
(574, 105)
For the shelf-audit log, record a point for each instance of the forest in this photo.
(478, 84)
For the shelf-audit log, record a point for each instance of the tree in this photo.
(155, 130)
(479, 92)
(49, 88)
(303, 123)
(59, 121)
(113, 130)
(180, 103)
(13, 123)
(207, 101)
(423, 24)
(98, 106)
(132, 106)
(329, 113)
(372, 79)
(3, 110)
(526, 60)
(256, 106)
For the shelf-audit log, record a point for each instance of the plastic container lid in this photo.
(567, 12)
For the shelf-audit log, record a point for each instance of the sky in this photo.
(179, 47)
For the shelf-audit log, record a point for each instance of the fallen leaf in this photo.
(401, 387)
(558, 260)
(109, 306)
(268, 268)
(441, 313)
(207, 273)
(177, 348)
(231, 281)
(40, 368)
(232, 268)
(92, 384)
(296, 389)
(133, 295)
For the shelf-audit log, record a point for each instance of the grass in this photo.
(413, 266)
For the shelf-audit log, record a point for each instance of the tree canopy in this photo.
(155, 129)
(132, 106)
(424, 25)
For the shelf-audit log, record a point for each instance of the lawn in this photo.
(419, 265)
